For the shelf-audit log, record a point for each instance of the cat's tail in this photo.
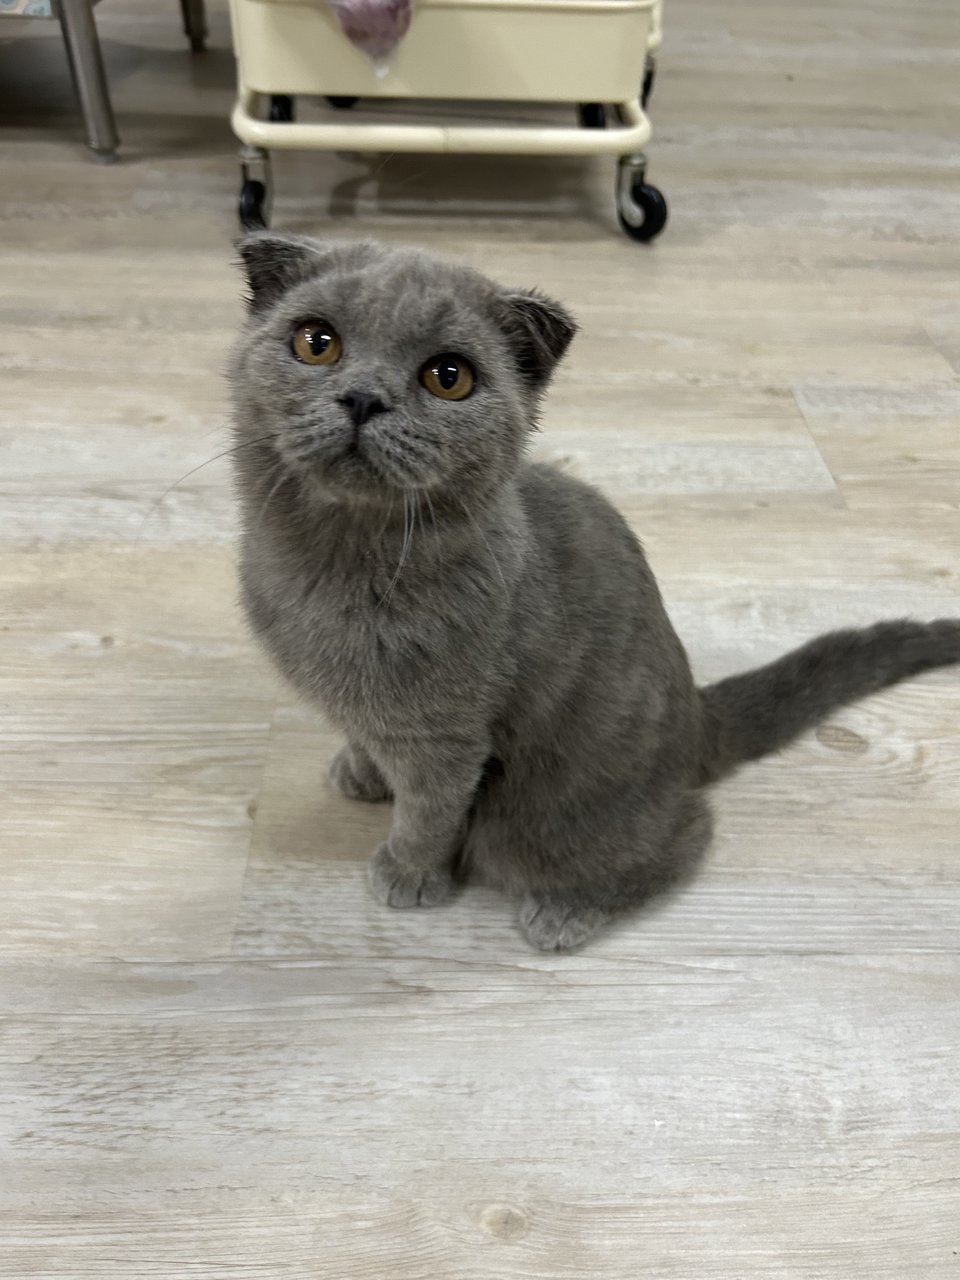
(750, 715)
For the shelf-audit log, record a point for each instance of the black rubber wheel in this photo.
(198, 44)
(592, 115)
(342, 102)
(647, 213)
(250, 207)
(281, 108)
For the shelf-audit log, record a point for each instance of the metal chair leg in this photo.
(195, 23)
(89, 76)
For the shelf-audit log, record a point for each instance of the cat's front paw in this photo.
(558, 926)
(397, 886)
(357, 783)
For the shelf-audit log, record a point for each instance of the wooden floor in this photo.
(219, 1057)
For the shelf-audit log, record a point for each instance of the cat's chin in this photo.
(353, 480)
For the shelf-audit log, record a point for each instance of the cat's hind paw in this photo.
(398, 886)
(551, 925)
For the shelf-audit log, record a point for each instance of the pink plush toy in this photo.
(374, 26)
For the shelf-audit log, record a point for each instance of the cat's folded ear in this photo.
(539, 330)
(275, 263)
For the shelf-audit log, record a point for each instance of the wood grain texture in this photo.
(218, 1056)
(131, 746)
(555, 1118)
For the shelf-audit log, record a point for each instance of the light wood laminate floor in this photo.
(219, 1058)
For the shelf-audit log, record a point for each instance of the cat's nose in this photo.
(362, 406)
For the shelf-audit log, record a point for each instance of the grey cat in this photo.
(486, 632)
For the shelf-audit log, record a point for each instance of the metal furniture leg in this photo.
(89, 77)
(195, 23)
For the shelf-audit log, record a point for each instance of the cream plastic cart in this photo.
(592, 54)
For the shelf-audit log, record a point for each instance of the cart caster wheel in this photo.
(281, 108)
(198, 44)
(342, 102)
(252, 205)
(643, 213)
(592, 115)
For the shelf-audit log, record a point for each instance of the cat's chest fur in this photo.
(384, 653)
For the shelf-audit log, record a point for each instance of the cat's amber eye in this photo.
(317, 343)
(448, 376)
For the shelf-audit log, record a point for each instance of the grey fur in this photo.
(487, 632)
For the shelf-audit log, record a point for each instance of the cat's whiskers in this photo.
(158, 502)
(436, 531)
(388, 516)
(269, 498)
(407, 539)
(483, 538)
(418, 509)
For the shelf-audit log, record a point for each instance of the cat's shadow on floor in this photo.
(315, 847)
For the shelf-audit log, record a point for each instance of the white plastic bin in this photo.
(592, 53)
